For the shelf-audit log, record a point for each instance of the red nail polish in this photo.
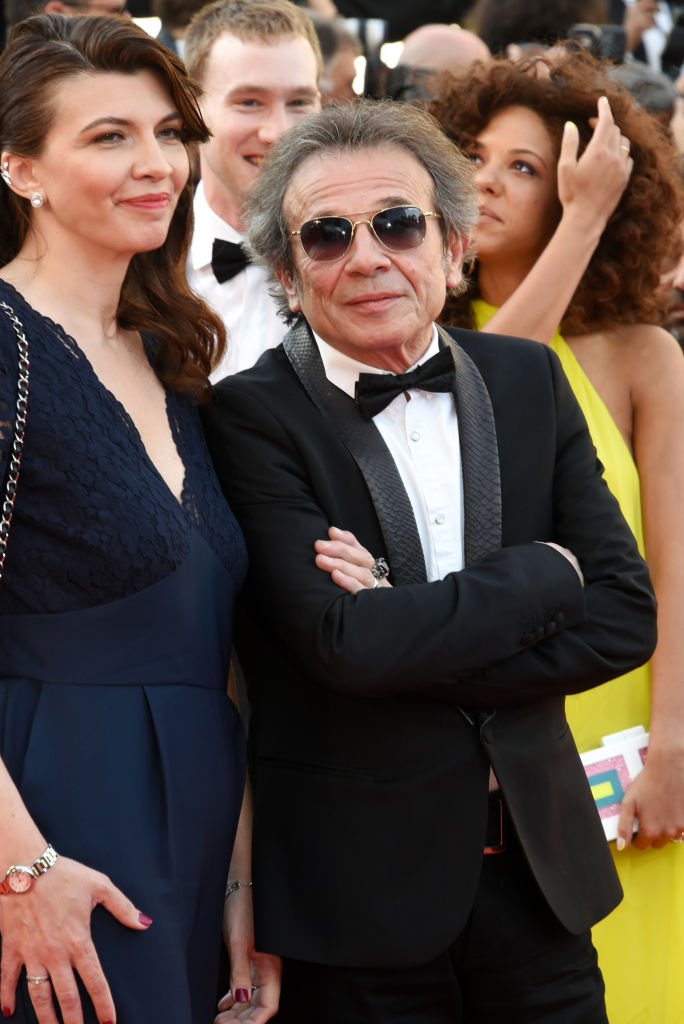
(6, 1012)
(144, 919)
(241, 995)
(107, 1022)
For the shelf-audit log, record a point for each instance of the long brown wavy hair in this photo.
(642, 238)
(45, 50)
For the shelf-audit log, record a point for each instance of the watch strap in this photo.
(47, 860)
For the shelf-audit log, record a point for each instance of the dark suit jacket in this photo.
(370, 784)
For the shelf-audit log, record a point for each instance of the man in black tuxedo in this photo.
(426, 847)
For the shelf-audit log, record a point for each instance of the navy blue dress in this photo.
(115, 633)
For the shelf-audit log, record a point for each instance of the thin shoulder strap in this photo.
(16, 452)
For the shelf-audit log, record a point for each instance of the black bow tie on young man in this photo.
(227, 259)
(375, 391)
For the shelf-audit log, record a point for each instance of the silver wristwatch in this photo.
(19, 878)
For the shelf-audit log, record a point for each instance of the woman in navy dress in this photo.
(120, 746)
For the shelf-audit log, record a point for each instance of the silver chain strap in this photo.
(19, 431)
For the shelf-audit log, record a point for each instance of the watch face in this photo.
(20, 881)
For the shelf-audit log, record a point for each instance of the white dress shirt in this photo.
(243, 303)
(422, 436)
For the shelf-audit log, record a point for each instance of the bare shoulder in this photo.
(635, 368)
(652, 359)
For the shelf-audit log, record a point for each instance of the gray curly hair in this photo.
(348, 127)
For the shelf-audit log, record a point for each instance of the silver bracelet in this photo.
(234, 886)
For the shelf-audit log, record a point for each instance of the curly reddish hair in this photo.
(620, 285)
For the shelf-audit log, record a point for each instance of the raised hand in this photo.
(590, 186)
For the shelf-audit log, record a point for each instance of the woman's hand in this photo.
(590, 187)
(47, 931)
(254, 977)
(656, 799)
(348, 563)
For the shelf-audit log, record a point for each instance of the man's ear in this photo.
(453, 259)
(289, 286)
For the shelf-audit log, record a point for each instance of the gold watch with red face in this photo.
(19, 878)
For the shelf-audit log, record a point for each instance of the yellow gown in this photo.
(641, 944)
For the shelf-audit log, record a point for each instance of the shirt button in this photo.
(440, 519)
(414, 435)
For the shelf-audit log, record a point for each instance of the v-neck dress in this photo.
(115, 635)
(641, 944)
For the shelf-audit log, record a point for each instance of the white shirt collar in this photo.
(208, 226)
(343, 371)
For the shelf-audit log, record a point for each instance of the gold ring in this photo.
(37, 979)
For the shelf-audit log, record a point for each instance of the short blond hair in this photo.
(266, 21)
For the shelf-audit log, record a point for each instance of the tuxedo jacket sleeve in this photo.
(516, 626)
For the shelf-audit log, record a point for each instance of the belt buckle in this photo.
(495, 839)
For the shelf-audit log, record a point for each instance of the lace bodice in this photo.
(94, 520)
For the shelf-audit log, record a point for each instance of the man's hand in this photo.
(347, 561)
(566, 553)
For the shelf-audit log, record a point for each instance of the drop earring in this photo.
(37, 200)
(4, 173)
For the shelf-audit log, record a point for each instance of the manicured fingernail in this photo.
(107, 1022)
(570, 126)
(144, 919)
(6, 1012)
(620, 843)
(241, 995)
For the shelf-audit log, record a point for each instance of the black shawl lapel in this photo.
(364, 442)
(479, 455)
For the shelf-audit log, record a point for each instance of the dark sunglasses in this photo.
(327, 238)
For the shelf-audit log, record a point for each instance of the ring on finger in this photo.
(37, 979)
(379, 569)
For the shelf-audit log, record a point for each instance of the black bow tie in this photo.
(375, 391)
(227, 259)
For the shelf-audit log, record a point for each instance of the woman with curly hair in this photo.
(580, 204)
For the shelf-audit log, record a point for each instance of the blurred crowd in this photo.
(399, 50)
